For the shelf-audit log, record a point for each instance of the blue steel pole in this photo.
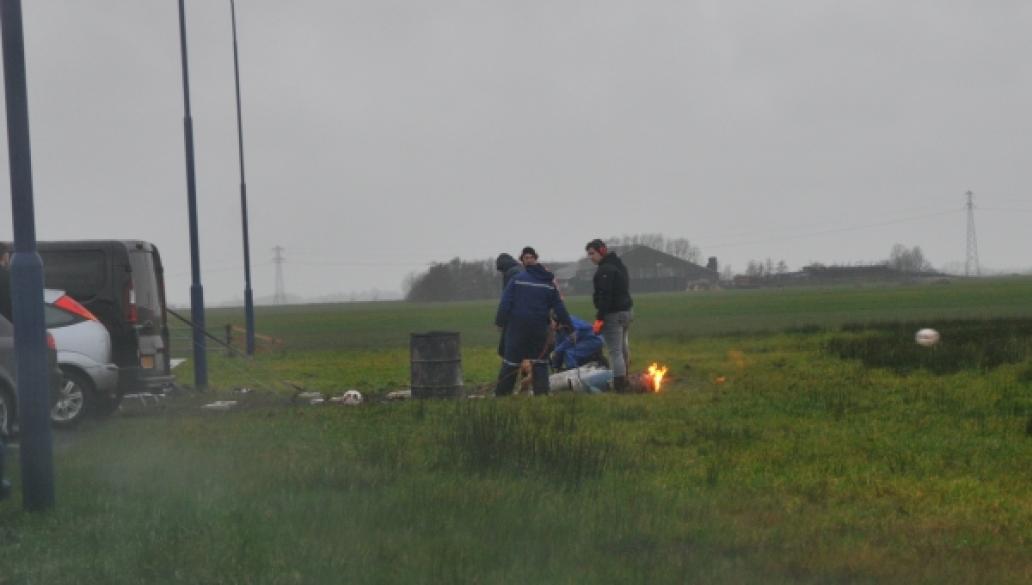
(248, 295)
(37, 461)
(196, 291)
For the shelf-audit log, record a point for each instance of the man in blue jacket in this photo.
(523, 314)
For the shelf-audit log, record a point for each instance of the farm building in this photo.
(650, 271)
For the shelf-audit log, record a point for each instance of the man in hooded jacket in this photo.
(508, 267)
(523, 313)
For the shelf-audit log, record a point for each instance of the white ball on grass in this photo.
(927, 337)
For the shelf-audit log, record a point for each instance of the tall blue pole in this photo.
(196, 291)
(30, 342)
(248, 295)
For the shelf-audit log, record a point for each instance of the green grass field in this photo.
(802, 438)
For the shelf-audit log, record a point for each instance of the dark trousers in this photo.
(5, 486)
(524, 341)
(501, 344)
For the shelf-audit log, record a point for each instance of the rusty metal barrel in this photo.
(436, 364)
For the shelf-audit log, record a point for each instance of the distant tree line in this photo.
(461, 280)
(908, 259)
(456, 280)
(901, 258)
(765, 268)
(680, 247)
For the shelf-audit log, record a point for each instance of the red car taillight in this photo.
(51, 343)
(130, 303)
(72, 306)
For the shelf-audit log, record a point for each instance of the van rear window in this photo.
(80, 273)
(145, 283)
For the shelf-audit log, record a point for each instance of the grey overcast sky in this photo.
(383, 135)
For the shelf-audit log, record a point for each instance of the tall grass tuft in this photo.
(1025, 375)
(504, 436)
(971, 344)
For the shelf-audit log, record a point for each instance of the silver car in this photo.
(84, 356)
(8, 383)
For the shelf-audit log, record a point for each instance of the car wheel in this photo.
(74, 400)
(6, 412)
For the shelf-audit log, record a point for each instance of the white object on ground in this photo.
(587, 378)
(220, 405)
(172, 363)
(143, 396)
(927, 337)
(349, 398)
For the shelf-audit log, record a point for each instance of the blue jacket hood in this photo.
(538, 272)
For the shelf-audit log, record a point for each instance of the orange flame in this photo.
(655, 376)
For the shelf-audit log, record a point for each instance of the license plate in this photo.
(147, 361)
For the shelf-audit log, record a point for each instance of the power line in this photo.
(369, 264)
(828, 231)
(215, 269)
(316, 263)
(1005, 209)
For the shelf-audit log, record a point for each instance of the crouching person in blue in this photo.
(576, 347)
(523, 314)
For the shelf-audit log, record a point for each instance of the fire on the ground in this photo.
(652, 379)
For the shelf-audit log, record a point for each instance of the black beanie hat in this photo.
(528, 250)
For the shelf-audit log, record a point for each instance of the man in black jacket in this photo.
(613, 309)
